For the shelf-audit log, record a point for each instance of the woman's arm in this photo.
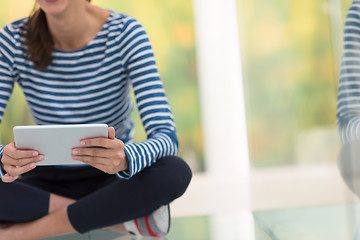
(7, 49)
(13, 162)
(151, 101)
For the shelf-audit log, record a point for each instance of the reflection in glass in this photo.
(348, 107)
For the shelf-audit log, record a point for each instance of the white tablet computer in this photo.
(56, 141)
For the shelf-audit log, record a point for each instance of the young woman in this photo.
(76, 63)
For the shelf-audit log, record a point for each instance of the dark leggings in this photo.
(102, 199)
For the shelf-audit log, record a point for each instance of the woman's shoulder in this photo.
(11, 37)
(121, 21)
(120, 17)
(14, 28)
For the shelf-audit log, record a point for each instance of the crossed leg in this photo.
(53, 224)
(117, 202)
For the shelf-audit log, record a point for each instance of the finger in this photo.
(94, 152)
(7, 178)
(92, 160)
(111, 133)
(22, 162)
(16, 171)
(12, 152)
(98, 142)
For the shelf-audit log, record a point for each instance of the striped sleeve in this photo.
(151, 102)
(2, 173)
(7, 49)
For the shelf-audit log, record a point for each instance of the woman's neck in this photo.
(76, 26)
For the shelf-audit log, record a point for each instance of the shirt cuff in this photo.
(2, 173)
(127, 174)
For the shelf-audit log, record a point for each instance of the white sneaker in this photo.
(157, 224)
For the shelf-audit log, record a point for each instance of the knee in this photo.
(178, 175)
(166, 179)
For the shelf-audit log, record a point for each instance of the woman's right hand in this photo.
(15, 162)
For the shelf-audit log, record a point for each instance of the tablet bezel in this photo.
(56, 141)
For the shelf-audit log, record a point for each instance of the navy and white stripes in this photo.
(93, 84)
(348, 106)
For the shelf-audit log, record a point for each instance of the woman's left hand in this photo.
(106, 154)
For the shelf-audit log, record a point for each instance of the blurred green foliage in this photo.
(290, 71)
(169, 25)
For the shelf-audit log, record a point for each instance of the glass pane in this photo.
(291, 66)
(291, 56)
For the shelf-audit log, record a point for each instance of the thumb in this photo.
(111, 132)
(7, 178)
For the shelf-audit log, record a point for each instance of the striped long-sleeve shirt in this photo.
(93, 84)
(348, 106)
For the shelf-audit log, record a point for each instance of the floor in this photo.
(188, 228)
(322, 222)
(182, 228)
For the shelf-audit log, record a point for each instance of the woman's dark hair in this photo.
(40, 43)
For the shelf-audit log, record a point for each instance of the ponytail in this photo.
(40, 43)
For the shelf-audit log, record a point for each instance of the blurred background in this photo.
(290, 55)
